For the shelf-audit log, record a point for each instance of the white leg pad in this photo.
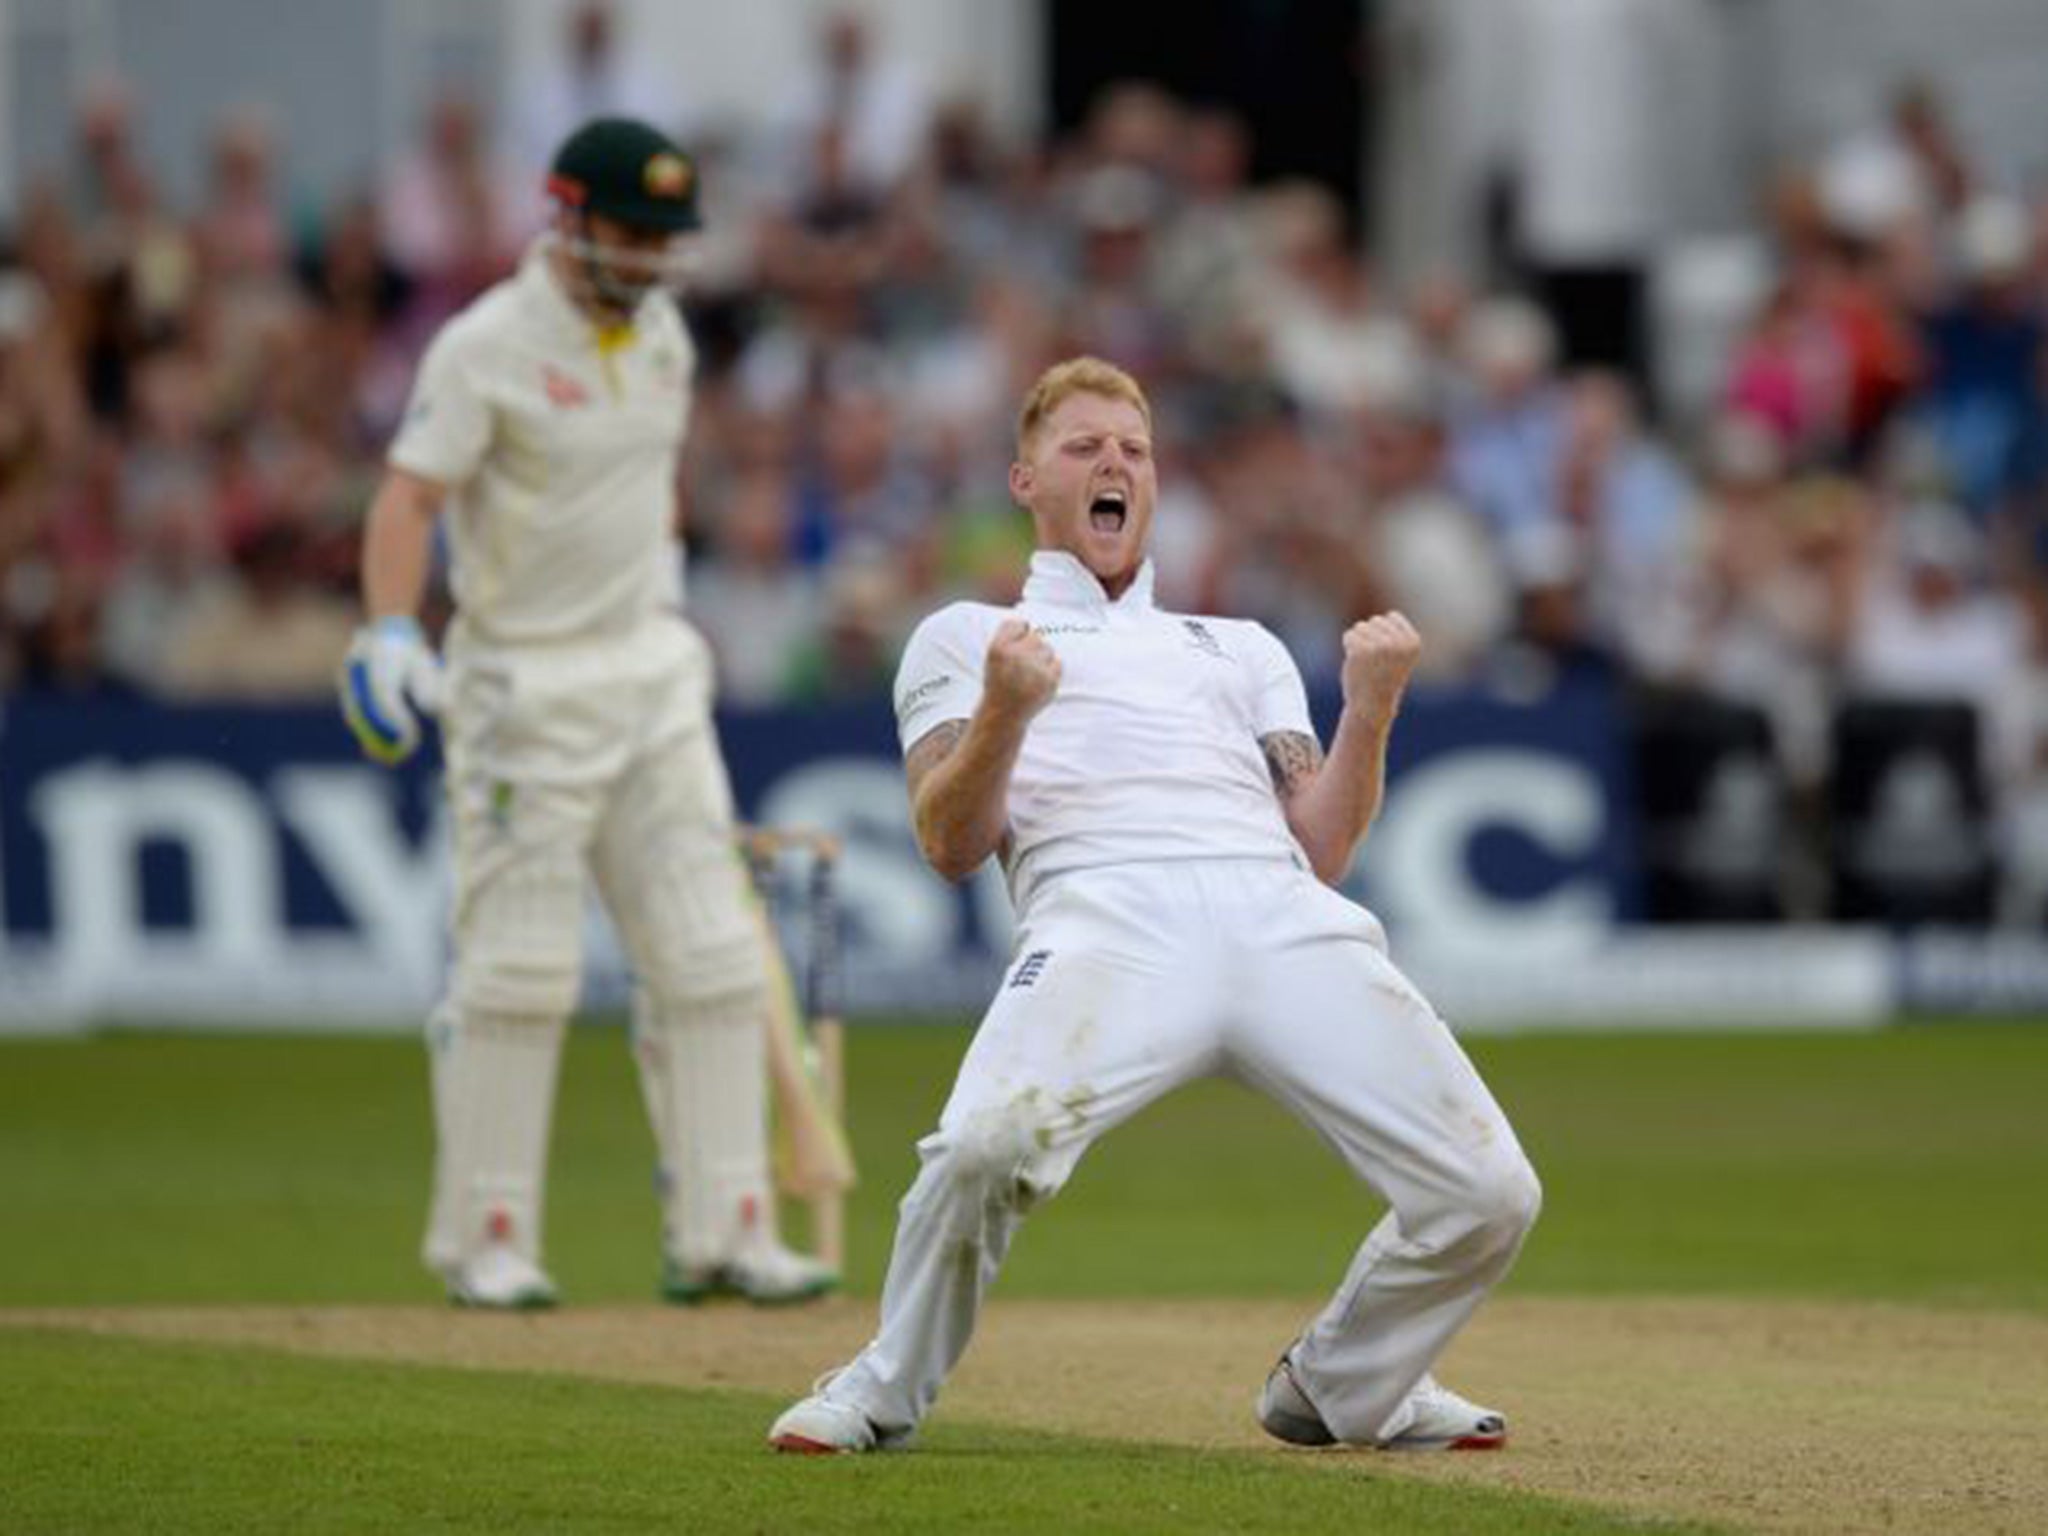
(703, 1072)
(674, 885)
(494, 1092)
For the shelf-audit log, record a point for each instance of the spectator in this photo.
(755, 604)
(1211, 251)
(1113, 310)
(870, 104)
(241, 231)
(1421, 549)
(590, 75)
(1625, 506)
(853, 655)
(862, 491)
(1926, 627)
(450, 214)
(267, 635)
(1984, 397)
(1785, 567)
(1790, 371)
(1326, 339)
(1508, 435)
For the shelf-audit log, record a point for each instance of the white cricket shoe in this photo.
(1431, 1418)
(1434, 1418)
(817, 1426)
(498, 1277)
(766, 1274)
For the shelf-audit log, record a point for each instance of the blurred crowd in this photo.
(194, 402)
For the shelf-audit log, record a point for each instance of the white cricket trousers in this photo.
(596, 758)
(1130, 980)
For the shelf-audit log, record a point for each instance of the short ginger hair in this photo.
(1076, 376)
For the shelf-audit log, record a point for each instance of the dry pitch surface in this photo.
(1768, 1416)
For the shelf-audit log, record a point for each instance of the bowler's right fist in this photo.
(1022, 672)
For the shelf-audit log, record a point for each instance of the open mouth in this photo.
(1107, 511)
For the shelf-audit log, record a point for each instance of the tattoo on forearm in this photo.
(1292, 758)
(930, 750)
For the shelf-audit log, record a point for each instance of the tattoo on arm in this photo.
(1292, 758)
(930, 750)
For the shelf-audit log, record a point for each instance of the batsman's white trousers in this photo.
(565, 762)
(1130, 980)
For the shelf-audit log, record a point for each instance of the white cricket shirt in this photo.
(1149, 751)
(558, 442)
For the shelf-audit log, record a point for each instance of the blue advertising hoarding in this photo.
(244, 865)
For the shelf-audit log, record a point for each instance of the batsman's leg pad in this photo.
(703, 1072)
(494, 1091)
(519, 933)
(683, 908)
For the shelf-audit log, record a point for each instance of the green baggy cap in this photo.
(623, 169)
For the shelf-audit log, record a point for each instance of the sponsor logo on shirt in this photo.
(1200, 638)
(1068, 629)
(562, 390)
(922, 697)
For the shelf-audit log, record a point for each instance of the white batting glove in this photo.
(390, 679)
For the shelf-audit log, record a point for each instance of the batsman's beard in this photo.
(621, 279)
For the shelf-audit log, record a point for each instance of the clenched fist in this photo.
(1022, 672)
(1379, 653)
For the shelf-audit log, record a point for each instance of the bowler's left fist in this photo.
(1379, 653)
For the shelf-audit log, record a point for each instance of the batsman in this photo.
(546, 421)
(1171, 829)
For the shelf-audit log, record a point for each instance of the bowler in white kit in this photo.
(1170, 829)
(576, 712)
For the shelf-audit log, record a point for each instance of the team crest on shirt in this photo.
(563, 391)
(1200, 638)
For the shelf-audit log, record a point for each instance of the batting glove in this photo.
(388, 682)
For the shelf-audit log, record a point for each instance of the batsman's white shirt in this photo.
(558, 443)
(1150, 750)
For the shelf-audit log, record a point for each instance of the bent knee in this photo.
(1503, 1204)
(994, 1151)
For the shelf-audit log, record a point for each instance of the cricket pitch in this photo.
(1758, 1415)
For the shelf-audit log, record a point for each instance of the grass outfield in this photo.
(226, 1170)
(1905, 1166)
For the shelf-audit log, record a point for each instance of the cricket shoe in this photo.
(767, 1274)
(1434, 1418)
(1431, 1418)
(499, 1278)
(817, 1426)
(821, 1426)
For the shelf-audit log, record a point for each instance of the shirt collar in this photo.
(1059, 579)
